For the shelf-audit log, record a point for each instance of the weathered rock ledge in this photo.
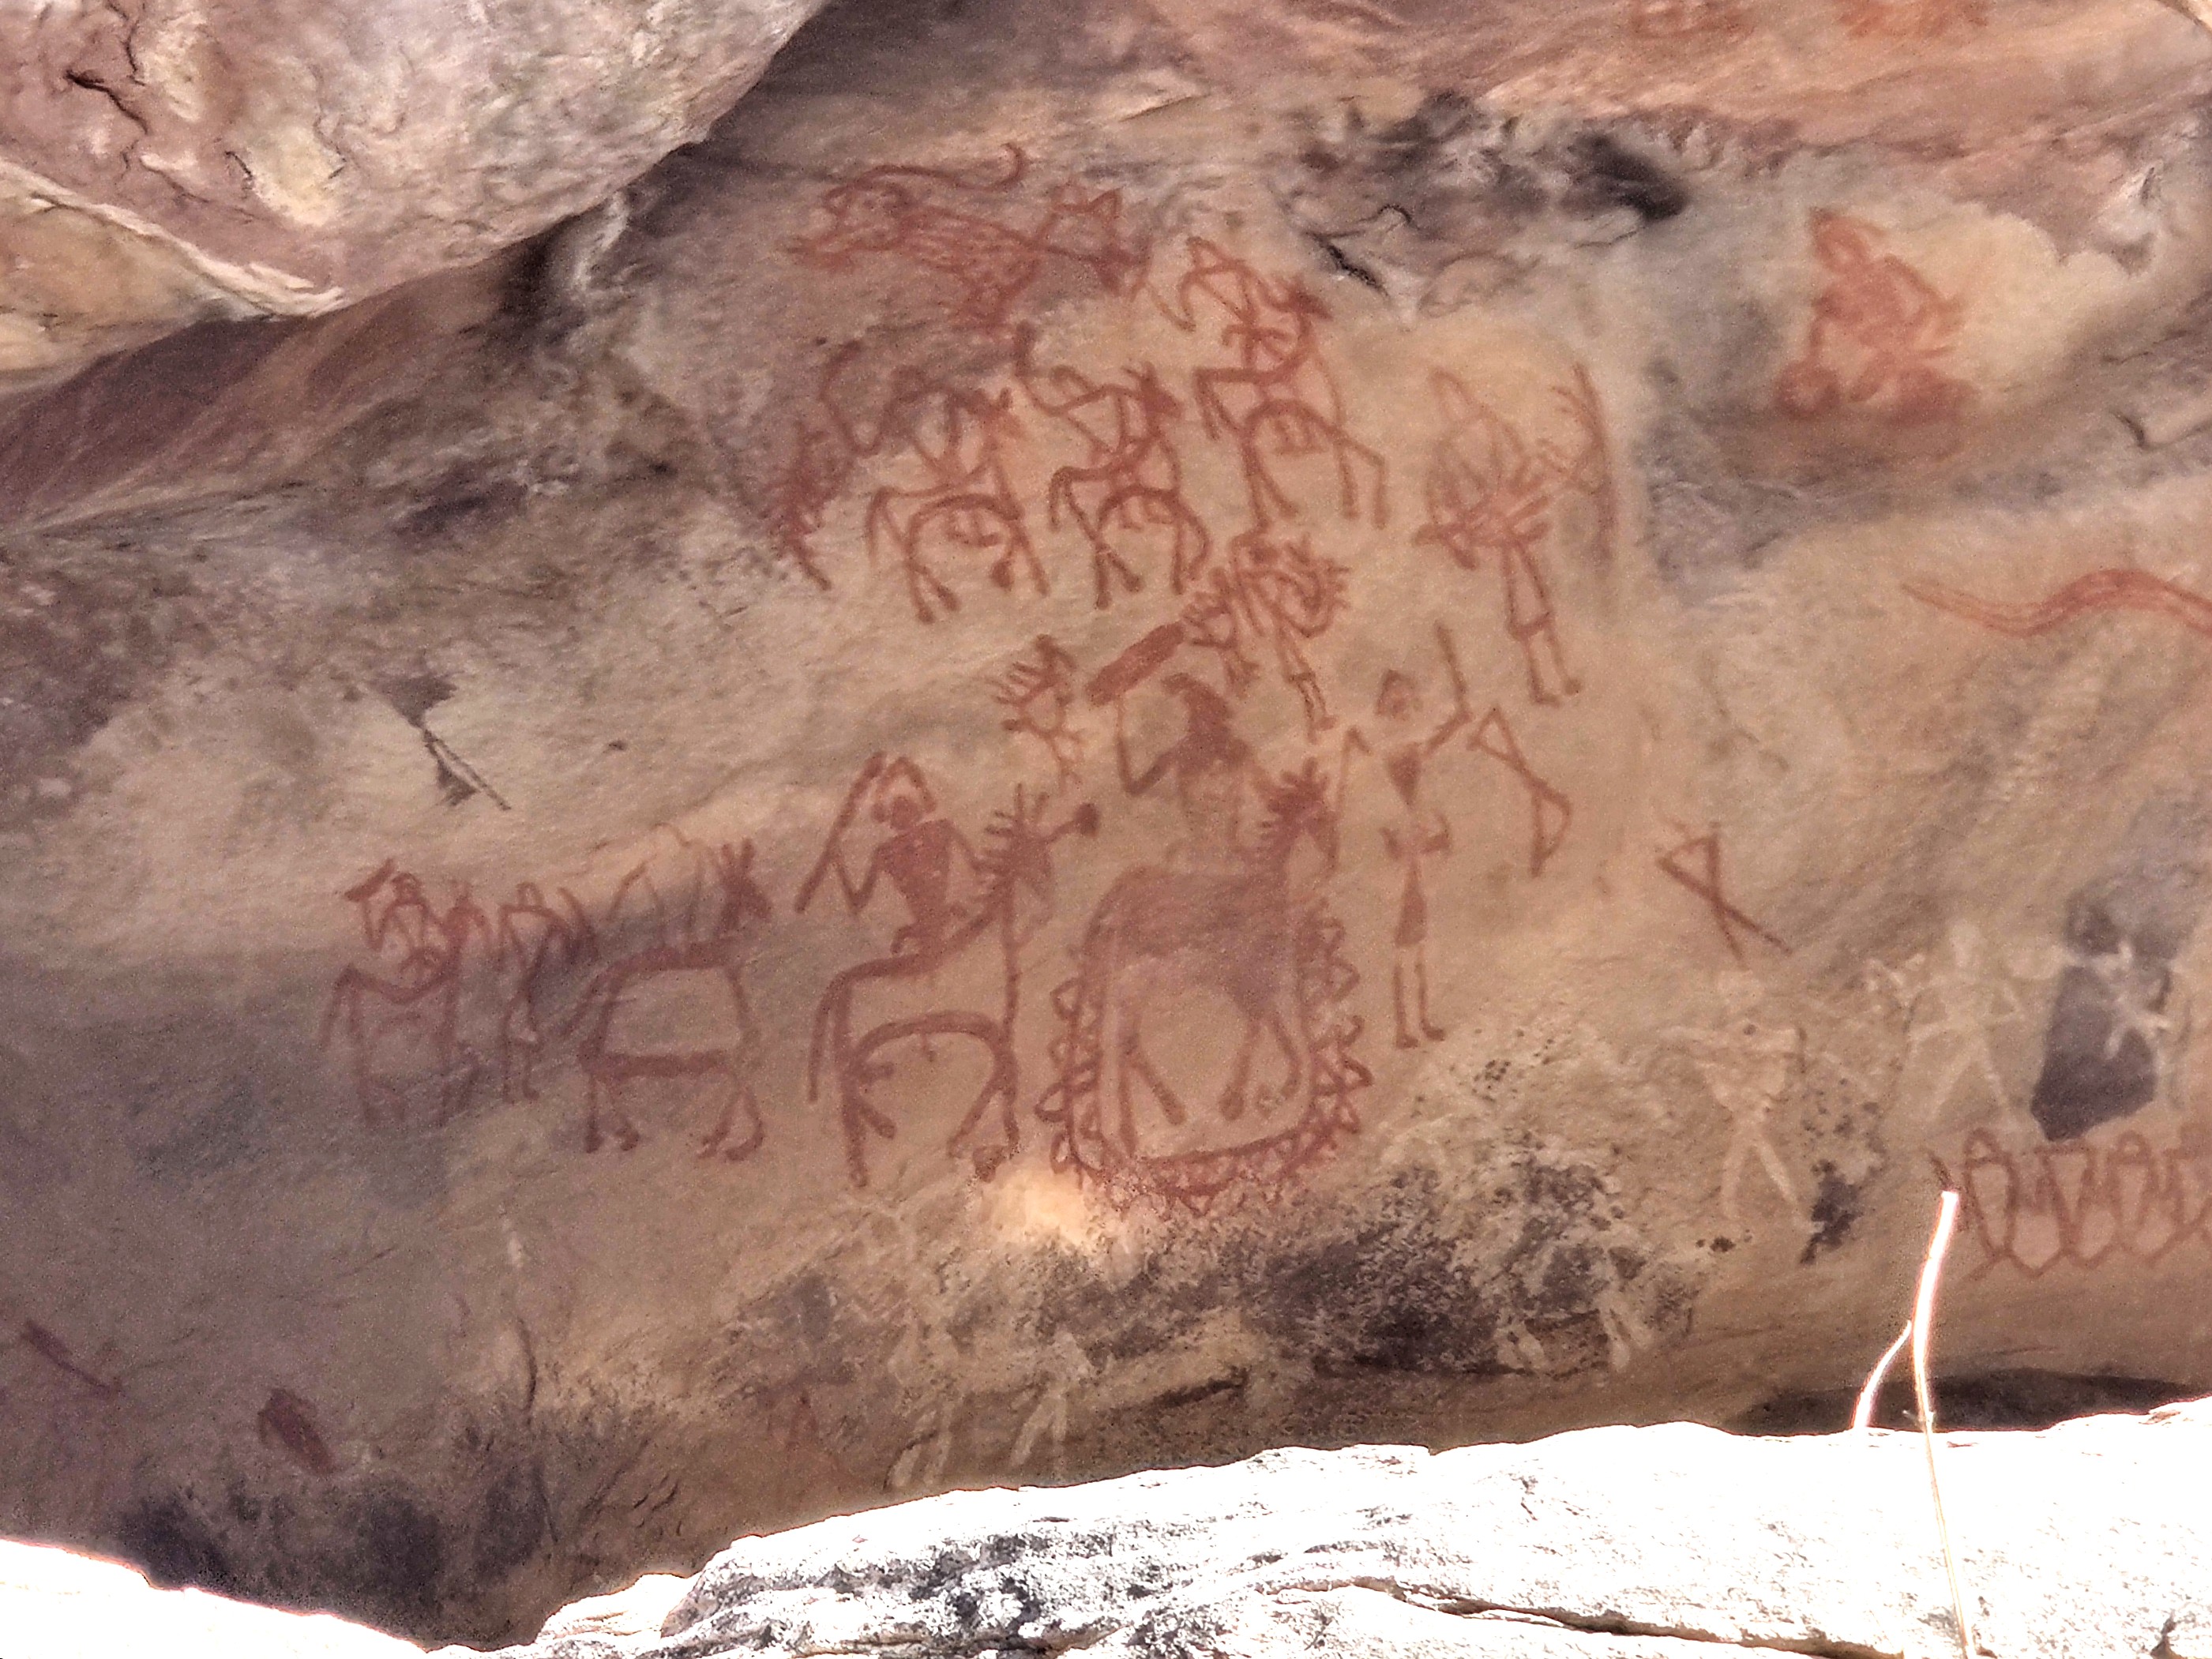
(2090, 1539)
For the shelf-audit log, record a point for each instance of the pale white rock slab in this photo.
(57, 1605)
(2087, 1541)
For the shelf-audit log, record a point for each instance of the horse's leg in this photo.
(1259, 482)
(1405, 1037)
(591, 1109)
(1430, 1028)
(1171, 1106)
(1234, 1092)
(921, 580)
(1189, 527)
(1121, 495)
(739, 1093)
(1349, 449)
(1021, 544)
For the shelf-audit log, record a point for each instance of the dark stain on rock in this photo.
(460, 505)
(413, 695)
(1835, 1208)
(1612, 175)
(173, 1546)
(2103, 1050)
(389, 1572)
(2029, 1400)
(513, 1516)
(225, 1133)
(1388, 1297)
(1234, 1381)
(75, 648)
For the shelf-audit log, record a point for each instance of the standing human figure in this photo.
(1211, 770)
(1421, 833)
(1747, 1067)
(535, 943)
(920, 856)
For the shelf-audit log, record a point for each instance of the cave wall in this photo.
(1125, 732)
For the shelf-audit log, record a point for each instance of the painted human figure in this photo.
(1130, 480)
(1421, 834)
(535, 942)
(1211, 769)
(1274, 592)
(1278, 399)
(1038, 694)
(417, 997)
(1747, 1067)
(1973, 1000)
(923, 855)
(1489, 496)
(1067, 1368)
(1878, 329)
(965, 497)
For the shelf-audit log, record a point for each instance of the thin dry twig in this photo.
(1870, 1395)
(1923, 1318)
(1917, 1332)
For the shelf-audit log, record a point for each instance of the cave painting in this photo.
(1276, 399)
(648, 985)
(1038, 694)
(1550, 811)
(1273, 595)
(1201, 1044)
(1489, 496)
(1695, 863)
(989, 261)
(1422, 833)
(1128, 486)
(1748, 1066)
(1879, 332)
(2080, 1204)
(2116, 589)
(672, 1003)
(286, 1424)
(57, 1353)
(958, 502)
(1205, 1043)
(957, 901)
(401, 1020)
(537, 942)
(1954, 1014)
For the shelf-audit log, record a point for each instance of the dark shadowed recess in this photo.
(1980, 1400)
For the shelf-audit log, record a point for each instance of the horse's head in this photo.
(865, 215)
(1081, 225)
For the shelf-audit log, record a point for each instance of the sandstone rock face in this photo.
(164, 161)
(1126, 733)
(1652, 1543)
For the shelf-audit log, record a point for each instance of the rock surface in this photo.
(164, 161)
(1125, 733)
(2086, 1543)
(54, 1605)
